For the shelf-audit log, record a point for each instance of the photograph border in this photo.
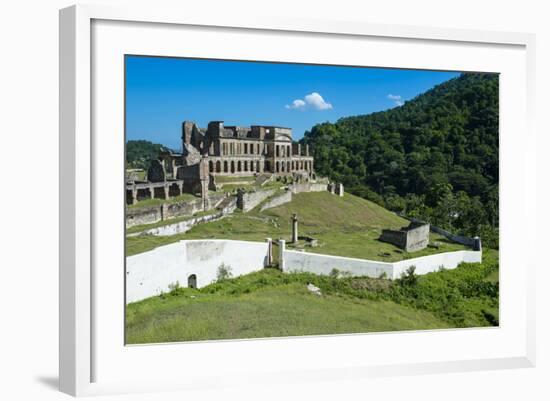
(76, 170)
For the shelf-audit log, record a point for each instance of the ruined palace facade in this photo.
(220, 150)
(233, 150)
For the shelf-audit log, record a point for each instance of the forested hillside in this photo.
(435, 157)
(140, 153)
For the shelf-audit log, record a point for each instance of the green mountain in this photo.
(435, 157)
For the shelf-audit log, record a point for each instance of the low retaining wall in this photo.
(308, 187)
(247, 201)
(150, 273)
(180, 227)
(324, 264)
(153, 214)
(460, 239)
(277, 200)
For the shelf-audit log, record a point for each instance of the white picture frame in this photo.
(90, 364)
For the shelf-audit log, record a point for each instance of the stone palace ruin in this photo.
(220, 150)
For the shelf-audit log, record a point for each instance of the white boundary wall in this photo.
(150, 273)
(324, 264)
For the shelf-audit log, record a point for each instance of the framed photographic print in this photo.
(242, 197)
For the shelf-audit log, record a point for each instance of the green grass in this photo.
(345, 226)
(269, 303)
(221, 179)
(158, 202)
(284, 310)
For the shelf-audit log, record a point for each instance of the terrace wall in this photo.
(324, 264)
(151, 273)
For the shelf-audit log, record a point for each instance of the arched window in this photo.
(225, 166)
(257, 166)
(232, 166)
(239, 166)
(245, 165)
(218, 166)
(277, 167)
(288, 167)
(277, 151)
(211, 166)
(192, 281)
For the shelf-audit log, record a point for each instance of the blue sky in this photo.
(163, 92)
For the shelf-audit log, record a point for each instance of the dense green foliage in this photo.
(435, 157)
(271, 303)
(140, 153)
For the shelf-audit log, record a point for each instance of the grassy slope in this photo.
(269, 303)
(284, 310)
(347, 226)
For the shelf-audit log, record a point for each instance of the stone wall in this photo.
(181, 226)
(418, 238)
(152, 214)
(324, 264)
(277, 200)
(247, 201)
(308, 187)
(412, 238)
(474, 243)
(150, 273)
(143, 215)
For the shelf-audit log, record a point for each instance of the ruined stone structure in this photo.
(233, 150)
(414, 237)
(220, 150)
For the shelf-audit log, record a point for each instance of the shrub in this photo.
(224, 272)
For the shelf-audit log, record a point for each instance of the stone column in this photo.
(307, 149)
(134, 195)
(477, 244)
(166, 192)
(340, 189)
(269, 257)
(294, 239)
(281, 255)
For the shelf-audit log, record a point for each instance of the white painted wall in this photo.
(431, 263)
(323, 264)
(150, 273)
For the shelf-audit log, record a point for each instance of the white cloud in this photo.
(296, 104)
(316, 100)
(313, 100)
(397, 99)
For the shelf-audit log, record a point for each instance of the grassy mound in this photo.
(345, 226)
(272, 304)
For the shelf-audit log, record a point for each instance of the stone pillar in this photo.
(281, 255)
(340, 189)
(477, 244)
(134, 195)
(294, 238)
(331, 187)
(152, 191)
(299, 149)
(307, 149)
(166, 192)
(269, 257)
